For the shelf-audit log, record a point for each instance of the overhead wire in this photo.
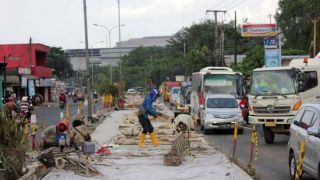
(236, 5)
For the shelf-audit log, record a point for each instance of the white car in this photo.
(220, 112)
(132, 91)
(174, 93)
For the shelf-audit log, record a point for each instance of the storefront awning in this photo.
(13, 79)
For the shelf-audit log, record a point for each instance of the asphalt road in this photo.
(51, 114)
(272, 162)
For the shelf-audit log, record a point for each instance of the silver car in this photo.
(220, 112)
(305, 127)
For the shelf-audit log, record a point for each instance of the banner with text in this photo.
(271, 52)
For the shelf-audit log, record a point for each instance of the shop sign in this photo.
(258, 30)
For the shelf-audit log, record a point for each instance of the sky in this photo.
(60, 23)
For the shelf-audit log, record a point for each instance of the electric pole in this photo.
(235, 38)
(315, 20)
(89, 116)
(217, 63)
(270, 16)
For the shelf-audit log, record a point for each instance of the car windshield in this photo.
(222, 103)
(223, 84)
(275, 82)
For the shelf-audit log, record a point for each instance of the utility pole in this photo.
(217, 63)
(89, 116)
(120, 73)
(270, 16)
(235, 38)
(315, 20)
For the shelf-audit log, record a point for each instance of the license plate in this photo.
(271, 124)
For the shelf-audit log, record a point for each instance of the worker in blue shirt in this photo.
(143, 112)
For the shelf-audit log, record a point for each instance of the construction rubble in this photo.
(180, 155)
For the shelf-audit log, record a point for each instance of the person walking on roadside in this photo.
(143, 112)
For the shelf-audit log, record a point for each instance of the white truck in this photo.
(277, 93)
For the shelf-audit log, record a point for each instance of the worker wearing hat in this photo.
(143, 112)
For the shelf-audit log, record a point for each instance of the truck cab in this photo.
(277, 93)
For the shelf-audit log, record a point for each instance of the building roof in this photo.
(146, 41)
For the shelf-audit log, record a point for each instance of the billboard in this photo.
(271, 52)
(258, 30)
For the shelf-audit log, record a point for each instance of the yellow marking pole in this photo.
(235, 135)
(43, 125)
(26, 131)
(300, 162)
(104, 105)
(67, 112)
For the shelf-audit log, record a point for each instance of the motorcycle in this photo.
(61, 104)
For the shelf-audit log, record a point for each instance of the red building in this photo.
(26, 72)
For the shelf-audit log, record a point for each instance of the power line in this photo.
(236, 5)
(230, 4)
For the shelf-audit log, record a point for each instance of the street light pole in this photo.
(109, 31)
(119, 41)
(89, 116)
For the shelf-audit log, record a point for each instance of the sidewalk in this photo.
(130, 161)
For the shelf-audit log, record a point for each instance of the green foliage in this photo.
(10, 164)
(59, 61)
(10, 133)
(254, 59)
(189, 50)
(293, 17)
(12, 146)
(291, 51)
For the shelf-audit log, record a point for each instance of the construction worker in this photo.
(145, 110)
(50, 136)
(79, 134)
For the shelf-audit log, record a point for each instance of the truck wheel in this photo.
(268, 135)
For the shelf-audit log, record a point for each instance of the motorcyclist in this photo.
(62, 98)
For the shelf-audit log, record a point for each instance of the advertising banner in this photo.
(31, 88)
(258, 30)
(24, 83)
(272, 57)
(271, 52)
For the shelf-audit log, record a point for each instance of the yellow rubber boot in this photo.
(154, 139)
(142, 137)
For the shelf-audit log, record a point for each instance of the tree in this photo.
(59, 61)
(293, 17)
(254, 59)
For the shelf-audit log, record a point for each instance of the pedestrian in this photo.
(143, 112)
(9, 109)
